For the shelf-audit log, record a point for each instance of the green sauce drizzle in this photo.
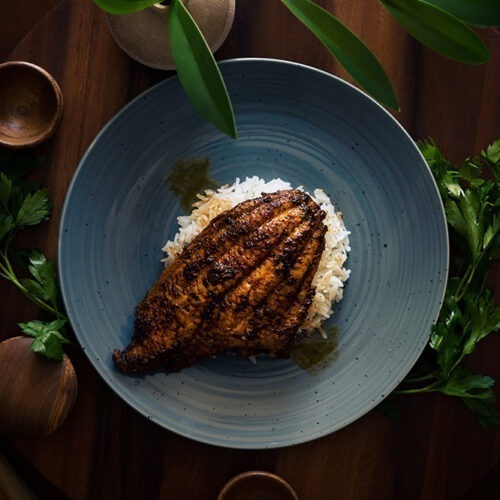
(189, 177)
(315, 353)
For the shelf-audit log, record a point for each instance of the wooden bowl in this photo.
(31, 104)
(257, 484)
(36, 395)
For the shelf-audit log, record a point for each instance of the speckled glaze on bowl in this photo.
(309, 128)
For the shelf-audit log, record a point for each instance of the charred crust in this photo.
(219, 272)
(191, 271)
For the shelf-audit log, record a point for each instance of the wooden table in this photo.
(434, 450)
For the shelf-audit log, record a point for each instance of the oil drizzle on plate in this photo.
(315, 353)
(189, 177)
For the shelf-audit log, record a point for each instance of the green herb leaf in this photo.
(446, 178)
(6, 224)
(124, 6)
(43, 271)
(36, 327)
(198, 71)
(465, 384)
(443, 336)
(48, 338)
(492, 158)
(492, 153)
(471, 172)
(492, 233)
(49, 346)
(35, 208)
(479, 12)
(439, 30)
(347, 48)
(449, 352)
(484, 318)
(33, 288)
(470, 224)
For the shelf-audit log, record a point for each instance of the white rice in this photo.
(330, 276)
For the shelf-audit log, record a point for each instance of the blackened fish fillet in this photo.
(242, 285)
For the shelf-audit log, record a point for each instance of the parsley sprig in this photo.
(468, 314)
(24, 204)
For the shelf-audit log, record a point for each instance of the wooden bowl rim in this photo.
(252, 474)
(54, 122)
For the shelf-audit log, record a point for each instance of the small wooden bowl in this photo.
(31, 104)
(257, 484)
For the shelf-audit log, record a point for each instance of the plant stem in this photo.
(9, 274)
(423, 378)
(427, 388)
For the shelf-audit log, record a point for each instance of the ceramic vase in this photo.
(144, 37)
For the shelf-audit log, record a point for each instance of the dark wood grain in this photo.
(434, 450)
(18, 19)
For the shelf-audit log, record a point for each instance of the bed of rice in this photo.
(331, 274)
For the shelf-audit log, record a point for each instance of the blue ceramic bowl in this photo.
(311, 129)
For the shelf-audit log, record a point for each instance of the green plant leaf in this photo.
(34, 288)
(466, 384)
(439, 30)
(6, 224)
(36, 327)
(492, 153)
(48, 339)
(347, 48)
(484, 318)
(446, 178)
(35, 208)
(198, 72)
(124, 6)
(43, 271)
(479, 12)
(49, 346)
(492, 158)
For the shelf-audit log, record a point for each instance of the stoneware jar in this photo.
(143, 35)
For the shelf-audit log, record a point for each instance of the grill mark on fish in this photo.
(270, 328)
(276, 321)
(252, 291)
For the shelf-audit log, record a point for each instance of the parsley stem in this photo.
(9, 274)
(39, 302)
(428, 388)
(467, 277)
(423, 378)
(464, 282)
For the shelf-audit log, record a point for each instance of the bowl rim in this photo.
(256, 474)
(55, 119)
